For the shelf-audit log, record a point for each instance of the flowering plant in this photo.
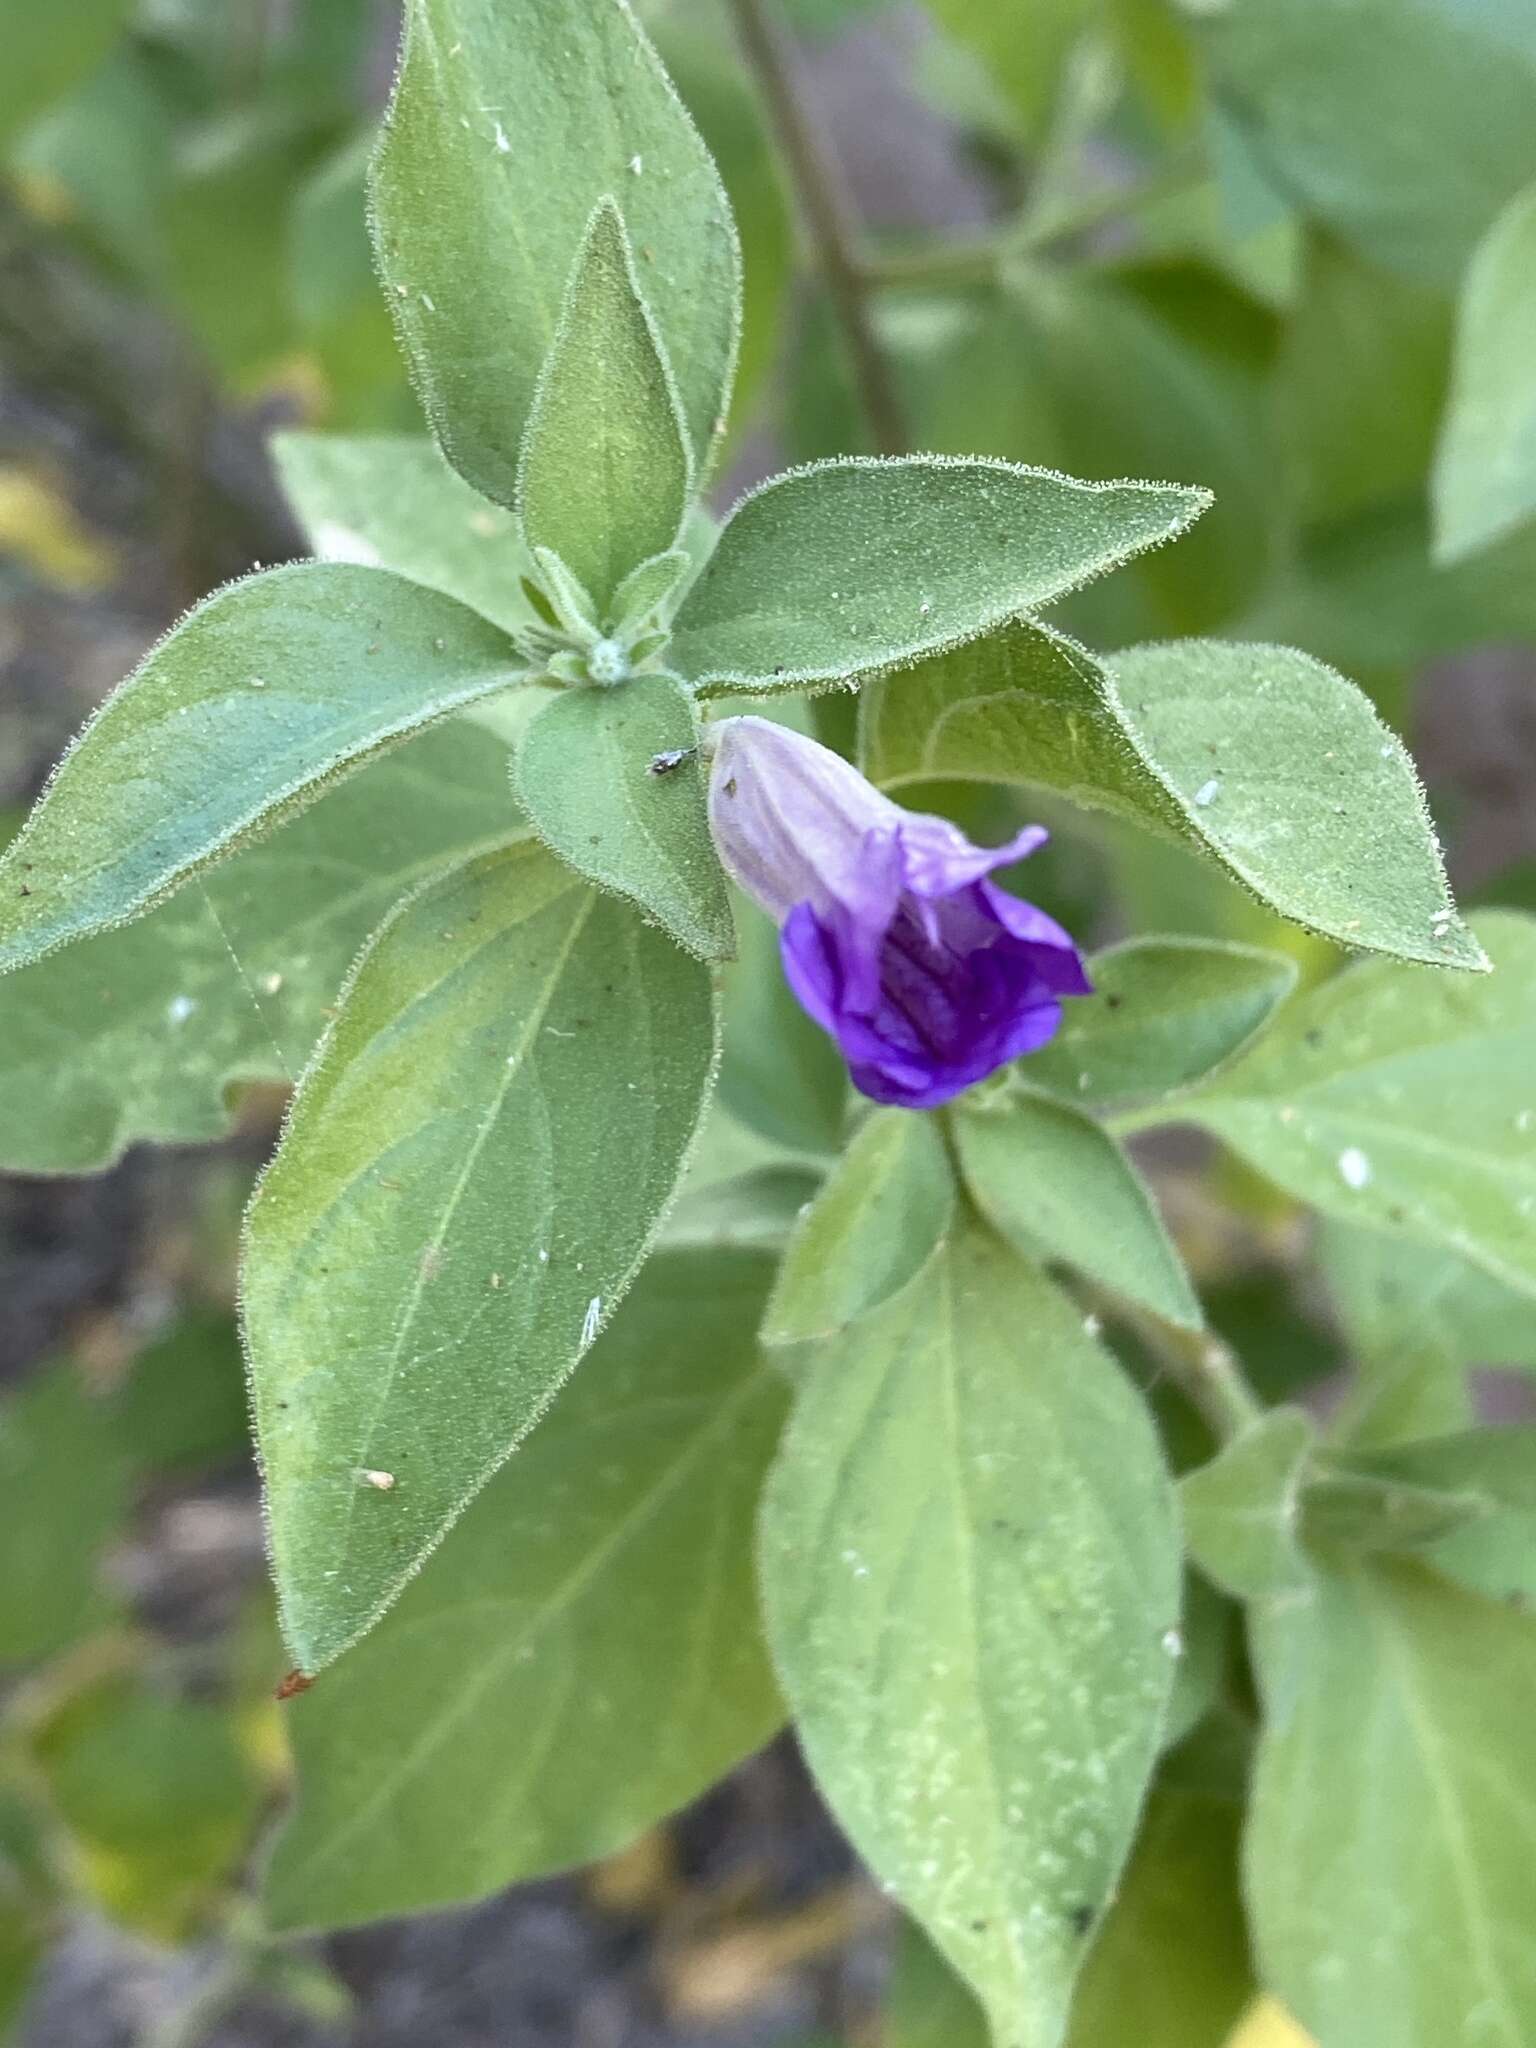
(639, 1358)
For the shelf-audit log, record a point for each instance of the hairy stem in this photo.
(1205, 1369)
(828, 221)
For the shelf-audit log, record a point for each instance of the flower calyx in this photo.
(568, 640)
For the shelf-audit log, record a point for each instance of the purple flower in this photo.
(926, 973)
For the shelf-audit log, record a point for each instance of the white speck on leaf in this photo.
(592, 1318)
(1208, 792)
(180, 1008)
(381, 1482)
(1173, 1642)
(1354, 1167)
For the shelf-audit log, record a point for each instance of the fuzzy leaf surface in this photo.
(510, 121)
(970, 1567)
(598, 1598)
(584, 775)
(1259, 757)
(826, 573)
(474, 1165)
(239, 718)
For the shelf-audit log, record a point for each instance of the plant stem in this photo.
(980, 259)
(1206, 1370)
(828, 221)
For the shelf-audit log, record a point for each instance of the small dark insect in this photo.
(1081, 1918)
(295, 1683)
(674, 757)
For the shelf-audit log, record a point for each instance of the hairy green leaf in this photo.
(605, 470)
(266, 693)
(1164, 1013)
(144, 1033)
(1393, 1823)
(390, 501)
(475, 1163)
(1484, 483)
(826, 573)
(584, 773)
(1257, 756)
(598, 1599)
(1053, 1182)
(971, 1576)
(1168, 1967)
(1402, 1100)
(510, 121)
(885, 1205)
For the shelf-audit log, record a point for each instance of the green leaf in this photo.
(1054, 1183)
(597, 1599)
(1159, 369)
(825, 573)
(1242, 1510)
(238, 719)
(605, 471)
(1416, 1317)
(183, 1406)
(1393, 1295)
(755, 1210)
(1164, 1014)
(158, 1796)
(1170, 1966)
(970, 1577)
(45, 57)
(781, 1073)
(390, 501)
(1406, 160)
(584, 775)
(1484, 482)
(1258, 757)
(1205, 1635)
(64, 1482)
(927, 2006)
(1360, 383)
(146, 1033)
(884, 1207)
(510, 122)
(1314, 803)
(1402, 1100)
(1025, 54)
(474, 1166)
(1495, 1552)
(1344, 1509)
(1389, 1848)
